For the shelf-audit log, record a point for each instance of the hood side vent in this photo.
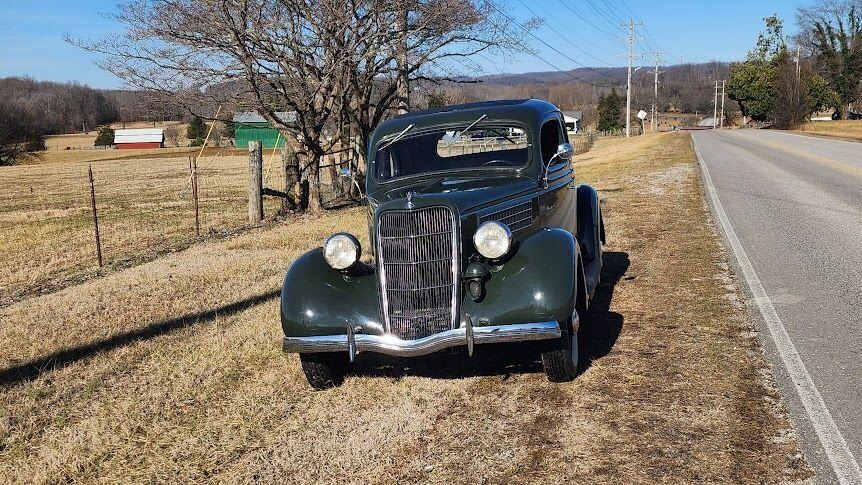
(516, 217)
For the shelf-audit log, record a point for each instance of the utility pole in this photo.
(722, 103)
(797, 62)
(630, 40)
(654, 126)
(715, 105)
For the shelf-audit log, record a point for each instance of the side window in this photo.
(551, 136)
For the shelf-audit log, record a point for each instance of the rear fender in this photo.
(590, 232)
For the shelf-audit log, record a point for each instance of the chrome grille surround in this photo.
(516, 217)
(417, 259)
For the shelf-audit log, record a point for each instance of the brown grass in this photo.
(843, 129)
(171, 371)
(145, 209)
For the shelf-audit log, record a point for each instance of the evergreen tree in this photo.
(437, 99)
(36, 144)
(609, 111)
(105, 137)
(229, 130)
(197, 129)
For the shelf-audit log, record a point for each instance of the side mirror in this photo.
(565, 151)
(348, 174)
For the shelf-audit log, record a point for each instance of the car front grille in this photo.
(418, 263)
(516, 217)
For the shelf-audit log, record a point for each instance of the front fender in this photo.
(537, 284)
(318, 300)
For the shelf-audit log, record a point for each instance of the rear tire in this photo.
(324, 370)
(561, 364)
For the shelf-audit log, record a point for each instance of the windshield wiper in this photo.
(465, 130)
(397, 137)
(503, 134)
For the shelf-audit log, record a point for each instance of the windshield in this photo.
(458, 148)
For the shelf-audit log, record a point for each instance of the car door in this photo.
(558, 202)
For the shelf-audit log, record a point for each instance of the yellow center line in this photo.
(817, 158)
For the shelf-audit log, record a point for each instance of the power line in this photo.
(531, 34)
(612, 11)
(565, 38)
(604, 16)
(583, 40)
(656, 45)
(578, 14)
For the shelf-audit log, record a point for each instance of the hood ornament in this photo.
(410, 199)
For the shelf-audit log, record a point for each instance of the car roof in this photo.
(526, 111)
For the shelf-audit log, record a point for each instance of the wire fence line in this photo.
(147, 205)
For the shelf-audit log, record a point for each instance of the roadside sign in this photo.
(642, 115)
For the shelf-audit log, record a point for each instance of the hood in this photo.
(467, 193)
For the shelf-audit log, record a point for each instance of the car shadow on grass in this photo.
(28, 371)
(600, 328)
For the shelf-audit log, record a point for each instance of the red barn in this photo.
(139, 138)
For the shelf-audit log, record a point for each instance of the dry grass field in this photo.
(844, 129)
(171, 371)
(145, 209)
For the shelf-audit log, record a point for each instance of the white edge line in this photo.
(834, 445)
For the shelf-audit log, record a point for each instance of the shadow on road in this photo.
(31, 370)
(599, 331)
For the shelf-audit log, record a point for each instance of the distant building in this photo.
(139, 138)
(573, 120)
(672, 121)
(710, 122)
(254, 127)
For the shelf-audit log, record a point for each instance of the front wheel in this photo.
(561, 364)
(324, 370)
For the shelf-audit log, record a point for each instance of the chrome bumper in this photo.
(391, 345)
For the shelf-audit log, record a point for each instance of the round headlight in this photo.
(341, 250)
(492, 239)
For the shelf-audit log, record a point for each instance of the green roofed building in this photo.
(253, 127)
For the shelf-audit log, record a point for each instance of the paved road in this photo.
(794, 204)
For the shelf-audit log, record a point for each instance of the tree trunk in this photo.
(403, 86)
(310, 184)
(291, 179)
(314, 206)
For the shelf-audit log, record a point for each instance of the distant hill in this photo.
(682, 87)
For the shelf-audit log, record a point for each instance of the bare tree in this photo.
(332, 62)
(172, 136)
(416, 43)
(263, 55)
(831, 32)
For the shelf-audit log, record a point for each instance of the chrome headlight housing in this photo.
(492, 239)
(341, 250)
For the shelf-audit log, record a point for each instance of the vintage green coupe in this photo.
(478, 233)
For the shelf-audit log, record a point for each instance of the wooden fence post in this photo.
(95, 215)
(195, 195)
(255, 182)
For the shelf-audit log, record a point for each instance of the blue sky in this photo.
(31, 34)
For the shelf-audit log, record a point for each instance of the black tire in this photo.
(561, 364)
(324, 370)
